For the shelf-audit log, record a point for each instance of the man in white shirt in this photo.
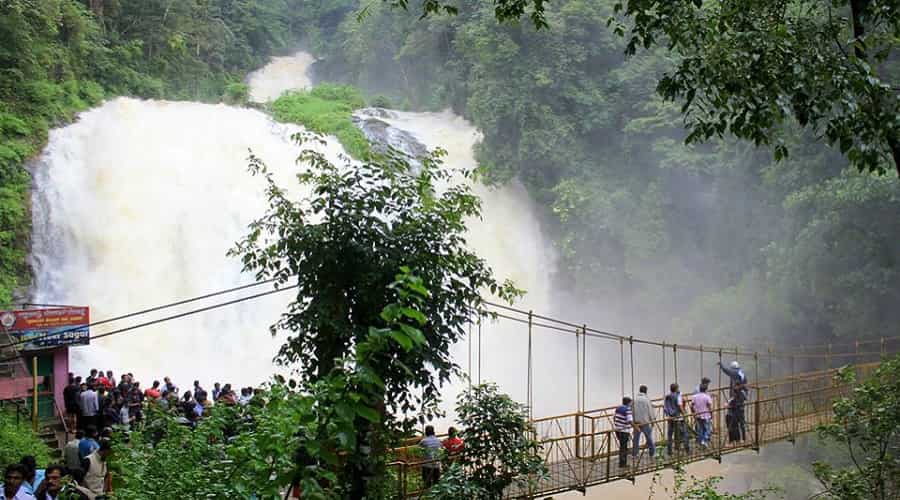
(90, 407)
(643, 423)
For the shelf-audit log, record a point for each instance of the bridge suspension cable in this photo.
(558, 325)
(163, 319)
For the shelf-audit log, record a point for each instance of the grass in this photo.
(326, 109)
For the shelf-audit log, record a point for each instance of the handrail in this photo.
(62, 418)
(666, 419)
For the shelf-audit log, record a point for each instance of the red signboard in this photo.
(51, 327)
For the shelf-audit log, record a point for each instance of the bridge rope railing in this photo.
(785, 360)
(568, 327)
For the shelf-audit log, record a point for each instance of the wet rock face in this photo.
(383, 136)
(377, 113)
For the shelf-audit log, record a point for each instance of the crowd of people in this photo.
(96, 405)
(100, 401)
(634, 418)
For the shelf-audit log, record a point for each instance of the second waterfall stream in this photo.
(137, 203)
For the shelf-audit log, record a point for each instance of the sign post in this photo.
(34, 393)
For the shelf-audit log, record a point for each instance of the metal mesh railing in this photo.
(581, 449)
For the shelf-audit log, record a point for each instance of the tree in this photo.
(747, 66)
(867, 425)
(344, 243)
(304, 433)
(499, 448)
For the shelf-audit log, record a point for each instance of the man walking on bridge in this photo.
(676, 432)
(622, 422)
(739, 395)
(643, 424)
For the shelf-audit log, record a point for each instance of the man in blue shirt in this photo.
(89, 444)
(673, 409)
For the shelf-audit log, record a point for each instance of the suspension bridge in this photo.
(791, 393)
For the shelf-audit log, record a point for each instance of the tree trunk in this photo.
(857, 7)
(894, 143)
(96, 7)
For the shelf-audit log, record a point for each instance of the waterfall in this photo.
(136, 204)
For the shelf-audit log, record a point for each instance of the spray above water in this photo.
(281, 74)
(138, 202)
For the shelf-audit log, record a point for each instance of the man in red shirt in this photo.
(153, 392)
(453, 444)
(104, 382)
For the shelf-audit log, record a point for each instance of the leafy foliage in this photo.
(168, 458)
(343, 244)
(306, 434)
(237, 93)
(651, 227)
(744, 67)
(499, 447)
(866, 423)
(326, 109)
(18, 440)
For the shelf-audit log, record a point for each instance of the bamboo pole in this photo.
(34, 393)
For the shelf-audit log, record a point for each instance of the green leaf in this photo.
(368, 413)
(401, 338)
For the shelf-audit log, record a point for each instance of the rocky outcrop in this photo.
(384, 136)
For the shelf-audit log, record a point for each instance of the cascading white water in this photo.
(282, 73)
(137, 203)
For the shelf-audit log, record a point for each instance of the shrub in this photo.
(18, 440)
(236, 93)
(381, 101)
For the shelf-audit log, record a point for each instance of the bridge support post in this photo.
(403, 492)
(578, 435)
(664, 381)
(756, 416)
(793, 396)
(721, 400)
(675, 355)
(609, 452)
